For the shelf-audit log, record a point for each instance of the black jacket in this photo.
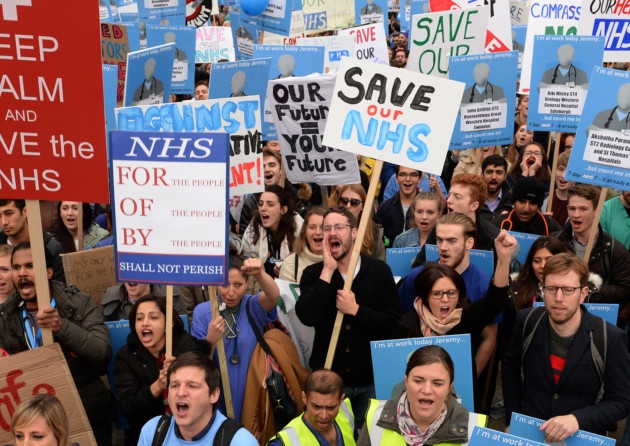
(390, 215)
(55, 249)
(540, 224)
(505, 204)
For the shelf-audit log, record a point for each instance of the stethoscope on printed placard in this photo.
(610, 118)
(571, 67)
(152, 89)
(33, 339)
(487, 100)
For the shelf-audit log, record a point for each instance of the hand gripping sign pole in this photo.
(214, 303)
(595, 225)
(356, 251)
(169, 317)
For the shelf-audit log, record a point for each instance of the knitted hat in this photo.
(529, 188)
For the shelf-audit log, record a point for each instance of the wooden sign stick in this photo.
(39, 262)
(552, 185)
(595, 225)
(356, 251)
(169, 317)
(225, 379)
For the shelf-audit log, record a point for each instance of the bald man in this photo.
(564, 73)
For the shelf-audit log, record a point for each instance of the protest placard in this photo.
(302, 335)
(529, 427)
(199, 12)
(393, 115)
(45, 152)
(601, 151)
(169, 206)
(335, 47)
(162, 11)
(371, 11)
(486, 115)
(214, 43)
(370, 42)
(276, 17)
(245, 36)
(115, 45)
(327, 15)
(547, 17)
(389, 360)
(110, 91)
(299, 107)
(149, 75)
(239, 117)
(608, 312)
(482, 436)
(525, 242)
(436, 36)
(91, 271)
(183, 76)
(43, 370)
(296, 32)
(400, 259)
(484, 260)
(560, 78)
(519, 12)
(610, 19)
(239, 79)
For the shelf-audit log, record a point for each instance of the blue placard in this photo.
(529, 427)
(163, 12)
(608, 312)
(110, 92)
(484, 260)
(276, 18)
(486, 114)
(389, 361)
(561, 69)
(525, 242)
(601, 151)
(519, 32)
(169, 206)
(482, 436)
(148, 78)
(371, 11)
(244, 34)
(183, 79)
(399, 259)
(242, 78)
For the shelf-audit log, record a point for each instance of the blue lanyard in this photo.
(34, 339)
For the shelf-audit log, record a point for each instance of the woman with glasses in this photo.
(532, 162)
(308, 247)
(352, 196)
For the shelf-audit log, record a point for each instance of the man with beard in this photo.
(550, 370)
(499, 200)
(371, 309)
(528, 196)
(395, 214)
(615, 218)
(77, 326)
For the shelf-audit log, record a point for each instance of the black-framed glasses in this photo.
(354, 202)
(566, 290)
(338, 227)
(451, 294)
(412, 175)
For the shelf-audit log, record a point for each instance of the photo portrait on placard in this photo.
(370, 11)
(245, 36)
(242, 78)
(149, 75)
(560, 80)
(183, 37)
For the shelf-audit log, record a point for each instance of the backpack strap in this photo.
(226, 432)
(599, 348)
(529, 328)
(162, 429)
(256, 331)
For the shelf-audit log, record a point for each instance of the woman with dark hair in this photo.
(273, 229)
(67, 229)
(308, 247)
(427, 412)
(532, 162)
(140, 366)
(522, 137)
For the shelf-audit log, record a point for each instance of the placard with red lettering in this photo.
(370, 42)
(169, 206)
(609, 18)
(48, 143)
(214, 43)
(393, 115)
(43, 370)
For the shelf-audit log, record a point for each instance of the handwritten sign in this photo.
(30, 373)
(169, 199)
(91, 271)
(214, 43)
(393, 115)
(370, 42)
(114, 49)
(300, 107)
(328, 15)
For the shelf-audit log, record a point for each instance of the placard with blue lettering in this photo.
(482, 436)
(389, 361)
(276, 18)
(110, 89)
(245, 36)
(486, 113)
(547, 17)
(287, 61)
(484, 260)
(370, 42)
(327, 15)
(299, 107)
(169, 206)
(436, 36)
(400, 259)
(601, 151)
(335, 47)
(183, 79)
(370, 11)
(239, 117)
(610, 19)
(525, 242)
(393, 115)
(519, 12)
(214, 43)
(609, 312)
(560, 77)
(239, 79)
(529, 427)
(149, 74)
(171, 12)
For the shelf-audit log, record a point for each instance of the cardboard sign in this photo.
(299, 106)
(214, 43)
(482, 436)
(601, 152)
(611, 20)
(239, 117)
(169, 206)
(393, 115)
(91, 271)
(529, 427)
(389, 360)
(370, 42)
(45, 152)
(43, 370)
(114, 48)
(436, 36)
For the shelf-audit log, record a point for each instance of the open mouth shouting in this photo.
(25, 287)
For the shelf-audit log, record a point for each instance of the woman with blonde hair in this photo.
(40, 420)
(308, 247)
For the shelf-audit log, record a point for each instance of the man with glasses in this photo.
(555, 376)
(395, 214)
(371, 309)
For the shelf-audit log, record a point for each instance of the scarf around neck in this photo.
(431, 325)
(410, 431)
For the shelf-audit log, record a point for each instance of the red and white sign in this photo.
(52, 137)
